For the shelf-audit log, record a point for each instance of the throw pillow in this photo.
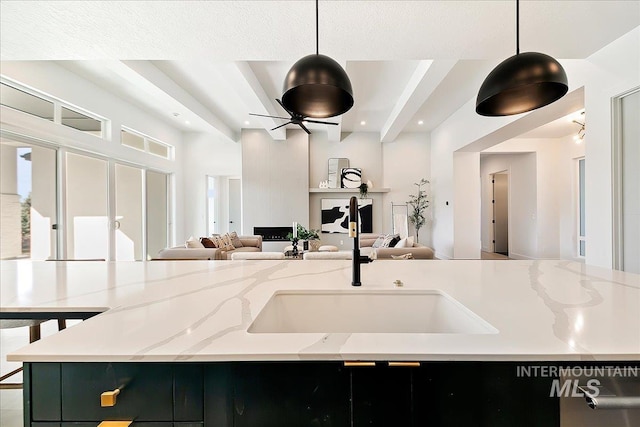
(402, 243)
(379, 241)
(410, 242)
(193, 243)
(207, 242)
(235, 239)
(394, 241)
(223, 242)
(383, 241)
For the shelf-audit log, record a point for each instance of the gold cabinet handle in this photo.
(115, 424)
(352, 364)
(108, 398)
(405, 364)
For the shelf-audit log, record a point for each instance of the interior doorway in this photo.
(500, 220)
(235, 205)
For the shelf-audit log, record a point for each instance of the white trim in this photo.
(440, 255)
(617, 232)
(146, 139)
(58, 104)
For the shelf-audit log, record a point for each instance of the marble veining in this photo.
(201, 310)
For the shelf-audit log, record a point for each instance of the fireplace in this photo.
(273, 234)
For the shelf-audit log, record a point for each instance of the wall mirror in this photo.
(335, 167)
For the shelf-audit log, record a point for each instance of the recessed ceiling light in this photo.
(420, 122)
(363, 123)
(246, 122)
(187, 122)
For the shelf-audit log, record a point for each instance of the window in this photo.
(581, 208)
(132, 140)
(26, 102)
(39, 106)
(80, 121)
(141, 142)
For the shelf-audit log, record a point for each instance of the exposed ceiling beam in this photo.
(425, 79)
(253, 95)
(334, 132)
(147, 75)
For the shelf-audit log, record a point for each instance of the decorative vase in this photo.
(314, 245)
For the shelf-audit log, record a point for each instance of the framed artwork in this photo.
(335, 215)
(351, 177)
(335, 171)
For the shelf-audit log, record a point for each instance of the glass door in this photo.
(157, 185)
(86, 220)
(128, 221)
(28, 197)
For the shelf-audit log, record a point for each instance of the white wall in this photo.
(551, 185)
(395, 165)
(57, 82)
(275, 181)
(406, 161)
(206, 155)
(522, 190)
(466, 211)
(613, 70)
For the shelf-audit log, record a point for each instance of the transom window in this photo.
(138, 141)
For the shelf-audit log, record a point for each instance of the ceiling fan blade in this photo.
(273, 117)
(284, 124)
(304, 128)
(322, 123)
(285, 108)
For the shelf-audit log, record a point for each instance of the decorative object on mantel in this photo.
(335, 215)
(317, 86)
(364, 189)
(351, 177)
(323, 184)
(369, 184)
(310, 239)
(334, 170)
(522, 82)
(418, 204)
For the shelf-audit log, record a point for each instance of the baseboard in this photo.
(514, 255)
(439, 255)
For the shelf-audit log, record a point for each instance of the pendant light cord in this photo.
(317, 50)
(517, 27)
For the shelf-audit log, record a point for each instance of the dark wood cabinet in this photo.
(266, 394)
(381, 395)
(291, 394)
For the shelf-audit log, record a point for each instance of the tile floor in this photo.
(10, 340)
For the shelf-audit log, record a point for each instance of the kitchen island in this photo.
(183, 329)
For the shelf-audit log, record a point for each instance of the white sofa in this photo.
(249, 244)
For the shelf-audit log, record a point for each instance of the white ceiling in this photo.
(214, 62)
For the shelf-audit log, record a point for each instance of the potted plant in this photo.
(309, 238)
(418, 204)
(364, 189)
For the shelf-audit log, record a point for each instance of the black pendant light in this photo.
(521, 83)
(317, 86)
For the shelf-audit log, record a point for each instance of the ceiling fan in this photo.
(295, 119)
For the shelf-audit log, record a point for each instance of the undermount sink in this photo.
(367, 311)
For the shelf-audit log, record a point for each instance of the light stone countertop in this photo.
(201, 310)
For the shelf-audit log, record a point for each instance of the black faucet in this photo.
(353, 232)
